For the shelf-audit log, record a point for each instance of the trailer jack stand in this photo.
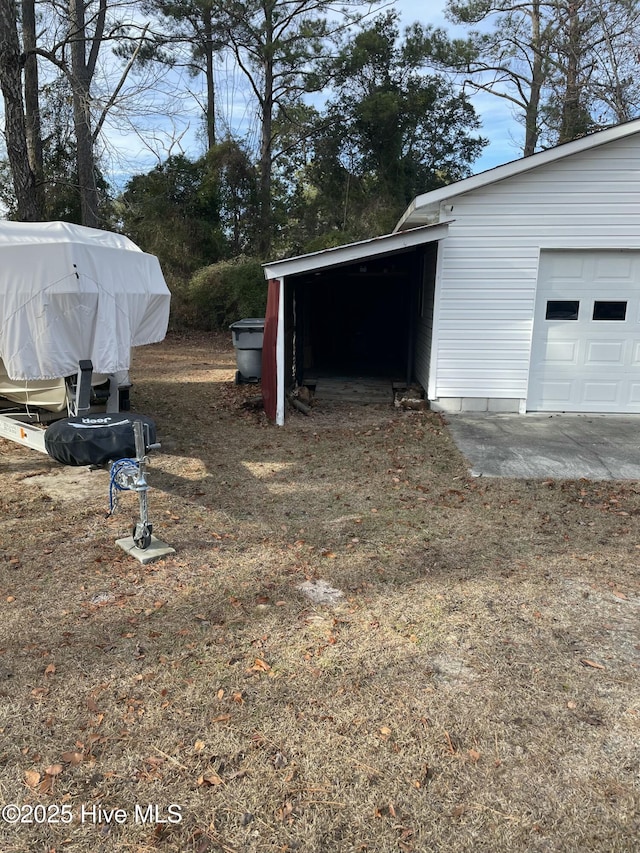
(142, 544)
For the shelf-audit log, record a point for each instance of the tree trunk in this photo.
(15, 130)
(531, 119)
(211, 92)
(264, 188)
(572, 117)
(80, 84)
(31, 101)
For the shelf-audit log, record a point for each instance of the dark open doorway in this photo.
(358, 320)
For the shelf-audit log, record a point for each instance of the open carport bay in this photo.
(357, 320)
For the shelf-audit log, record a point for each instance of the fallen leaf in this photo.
(54, 770)
(32, 778)
(210, 778)
(260, 666)
(285, 812)
(199, 745)
(72, 757)
(46, 786)
(50, 669)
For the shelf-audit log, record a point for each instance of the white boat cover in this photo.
(69, 293)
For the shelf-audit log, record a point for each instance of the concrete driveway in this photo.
(596, 447)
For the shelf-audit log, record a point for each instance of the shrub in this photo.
(227, 291)
(182, 316)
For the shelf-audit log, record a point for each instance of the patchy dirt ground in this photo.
(475, 686)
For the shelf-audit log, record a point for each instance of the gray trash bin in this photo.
(247, 337)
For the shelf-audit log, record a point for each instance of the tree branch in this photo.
(114, 95)
(96, 42)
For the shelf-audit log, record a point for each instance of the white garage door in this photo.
(585, 354)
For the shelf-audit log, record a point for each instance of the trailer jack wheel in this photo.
(141, 535)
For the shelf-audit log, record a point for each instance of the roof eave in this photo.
(353, 252)
(427, 204)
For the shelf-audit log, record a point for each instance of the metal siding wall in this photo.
(489, 261)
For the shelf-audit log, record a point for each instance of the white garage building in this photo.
(525, 296)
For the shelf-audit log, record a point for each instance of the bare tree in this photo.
(80, 75)
(189, 36)
(32, 100)
(563, 64)
(279, 45)
(11, 61)
(594, 78)
(73, 41)
(510, 61)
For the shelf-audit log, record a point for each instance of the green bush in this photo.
(183, 312)
(227, 291)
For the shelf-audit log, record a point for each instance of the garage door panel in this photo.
(614, 267)
(585, 353)
(600, 392)
(604, 352)
(562, 352)
(558, 391)
(568, 269)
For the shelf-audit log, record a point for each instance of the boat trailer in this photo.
(119, 440)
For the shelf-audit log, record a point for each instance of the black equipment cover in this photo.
(96, 440)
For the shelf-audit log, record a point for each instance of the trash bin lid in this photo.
(249, 323)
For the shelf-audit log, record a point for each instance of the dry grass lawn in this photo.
(475, 687)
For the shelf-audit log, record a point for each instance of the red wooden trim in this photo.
(269, 360)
